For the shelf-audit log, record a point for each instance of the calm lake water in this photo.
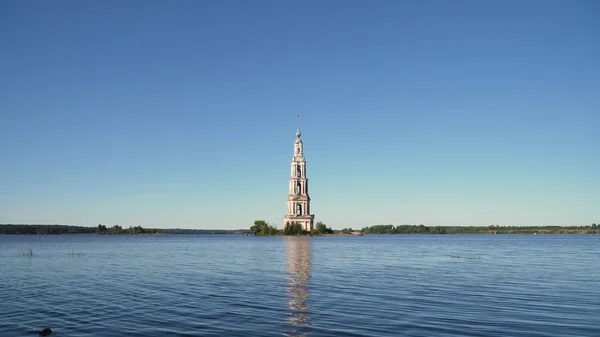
(227, 285)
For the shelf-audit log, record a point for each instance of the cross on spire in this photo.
(298, 134)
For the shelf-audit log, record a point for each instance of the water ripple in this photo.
(323, 286)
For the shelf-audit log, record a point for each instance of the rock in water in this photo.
(45, 332)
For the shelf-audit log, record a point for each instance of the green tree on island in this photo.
(347, 231)
(261, 227)
(101, 229)
(321, 228)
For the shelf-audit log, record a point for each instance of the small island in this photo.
(263, 228)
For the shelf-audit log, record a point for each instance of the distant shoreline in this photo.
(25, 229)
(10, 229)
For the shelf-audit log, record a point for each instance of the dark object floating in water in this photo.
(45, 332)
(477, 257)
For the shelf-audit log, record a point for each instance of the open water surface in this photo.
(227, 285)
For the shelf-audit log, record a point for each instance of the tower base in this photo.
(307, 221)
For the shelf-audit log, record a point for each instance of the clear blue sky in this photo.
(182, 114)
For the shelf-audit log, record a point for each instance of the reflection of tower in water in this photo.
(298, 259)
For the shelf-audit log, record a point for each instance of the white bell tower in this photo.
(298, 201)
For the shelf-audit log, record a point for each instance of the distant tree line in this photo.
(404, 229)
(64, 229)
(196, 231)
(261, 227)
(116, 229)
(100, 229)
(45, 229)
(495, 229)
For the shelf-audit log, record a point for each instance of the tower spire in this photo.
(298, 134)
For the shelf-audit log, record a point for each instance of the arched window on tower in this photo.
(298, 188)
(299, 209)
(298, 171)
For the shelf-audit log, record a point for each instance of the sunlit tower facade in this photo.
(298, 200)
